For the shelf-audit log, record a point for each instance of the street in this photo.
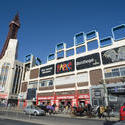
(46, 120)
(14, 122)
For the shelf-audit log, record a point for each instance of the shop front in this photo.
(115, 94)
(45, 100)
(65, 100)
(83, 99)
(3, 99)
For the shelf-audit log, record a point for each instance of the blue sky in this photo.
(45, 23)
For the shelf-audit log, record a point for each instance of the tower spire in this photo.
(12, 34)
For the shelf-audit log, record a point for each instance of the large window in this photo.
(45, 83)
(115, 72)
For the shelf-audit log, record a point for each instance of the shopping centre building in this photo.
(91, 71)
(10, 68)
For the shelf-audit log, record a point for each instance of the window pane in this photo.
(114, 70)
(69, 52)
(60, 55)
(107, 75)
(115, 74)
(91, 35)
(106, 42)
(122, 73)
(51, 57)
(50, 82)
(92, 45)
(122, 69)
(60, 46)
(119, 32)
(80, 49)
(42, 83)
(79, 39)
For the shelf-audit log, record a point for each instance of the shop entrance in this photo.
(81, 103)
(65, 105)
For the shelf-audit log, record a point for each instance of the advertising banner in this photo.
(113, 55)
(47, 70)
(88, 61)
(66, 66)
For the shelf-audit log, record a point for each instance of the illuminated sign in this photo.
(66, 66)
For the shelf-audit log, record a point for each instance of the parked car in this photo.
(34, 110)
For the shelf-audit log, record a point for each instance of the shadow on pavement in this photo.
(109, 122)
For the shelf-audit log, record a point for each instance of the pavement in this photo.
(112, 118)
(67, 115)
(59, 119)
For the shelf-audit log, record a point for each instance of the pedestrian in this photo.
(102, 110)
(108, 110)
(89, 109)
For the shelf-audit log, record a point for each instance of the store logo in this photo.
(66, 66)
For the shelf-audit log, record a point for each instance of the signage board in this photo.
(88, 61)
(113, 55)
(45, 97)
(66, 66)
(47, 70)
(65, 97)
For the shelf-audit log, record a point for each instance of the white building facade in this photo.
(72, 75)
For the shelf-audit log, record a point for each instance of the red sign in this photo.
(3, 95)
(45, 98)
(84, 96)
(65, 97)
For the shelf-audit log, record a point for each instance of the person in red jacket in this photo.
(122, 112)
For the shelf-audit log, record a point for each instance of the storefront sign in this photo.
(66, 66)
(113, 55)
(116, 90)
(88, 61)
(65, 97)
(97, 93)
(3, 95)
(112, 98)
(45, 98)
(47, 71)
(84, 96)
